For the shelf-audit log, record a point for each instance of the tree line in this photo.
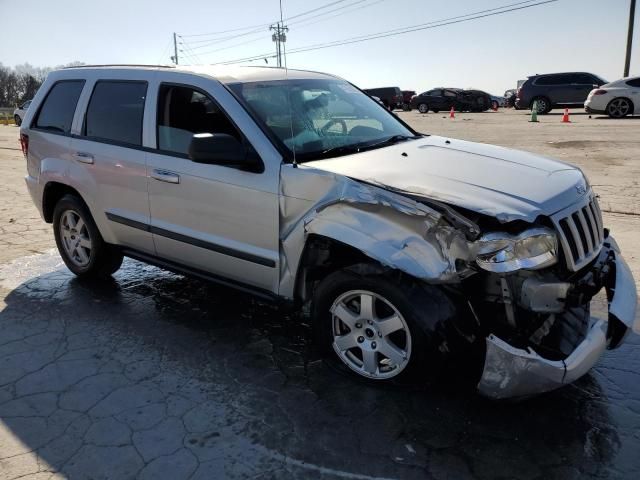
(20, 83)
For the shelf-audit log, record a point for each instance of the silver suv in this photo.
(413, 254)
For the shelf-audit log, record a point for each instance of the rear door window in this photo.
(115, 112)
(584, 79)
(58, 108)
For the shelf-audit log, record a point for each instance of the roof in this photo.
(223, 73)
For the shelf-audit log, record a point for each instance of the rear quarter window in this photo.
(549, 80)
(115, 112)
(59, 106)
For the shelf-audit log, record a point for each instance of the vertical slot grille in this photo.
(581, 232)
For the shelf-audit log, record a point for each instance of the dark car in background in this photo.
(475, 101)
(407, 95)
(391, 97)
(445, 98)
(436, 100)
(565, 90)
(510, 98)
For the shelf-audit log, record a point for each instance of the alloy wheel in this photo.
(75, 237)
(619, 108)
(370, 335)
(422, 108)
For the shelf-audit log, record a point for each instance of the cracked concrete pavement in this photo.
(153, 375)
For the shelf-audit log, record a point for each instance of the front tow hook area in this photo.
(511, 372)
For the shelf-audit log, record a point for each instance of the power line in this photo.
(335, 2)
(209, 43)
(304, 22)
(409, 29)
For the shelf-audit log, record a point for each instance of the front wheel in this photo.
(423, 108)
(619, 107)
(79, 242)
(17, 119)
(378, 327)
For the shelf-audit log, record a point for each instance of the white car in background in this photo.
(18, 113)
(617, 99)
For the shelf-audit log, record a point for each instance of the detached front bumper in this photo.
(514, 372)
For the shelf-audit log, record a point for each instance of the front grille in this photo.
(580, 231)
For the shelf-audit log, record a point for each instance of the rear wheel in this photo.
(17, 119)
(423, 108)
(494, 105)
(377, 327)
(619, 107)
(79, 242)
(543, 105)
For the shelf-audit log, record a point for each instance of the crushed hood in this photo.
(500, 182)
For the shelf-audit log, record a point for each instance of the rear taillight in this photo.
(24, 144)
(600, 92)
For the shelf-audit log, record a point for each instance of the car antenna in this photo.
(282, 42)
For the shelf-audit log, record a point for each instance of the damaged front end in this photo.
(540, 333)
(524, 295)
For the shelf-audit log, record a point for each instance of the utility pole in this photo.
(279, 37)
(632, 14)
(175, 49)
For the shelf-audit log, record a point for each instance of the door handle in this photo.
(165, 176)
(83, 157)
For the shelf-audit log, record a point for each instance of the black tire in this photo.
(104, 259)
(544, 105)
(423, 108)
(17, 119)
(427, 311)
(619, 107)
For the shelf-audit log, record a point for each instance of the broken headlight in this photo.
(530, 250)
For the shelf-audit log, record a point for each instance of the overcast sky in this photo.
(489, 53)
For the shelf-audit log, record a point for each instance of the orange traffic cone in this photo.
(452, 113)
(565, 117)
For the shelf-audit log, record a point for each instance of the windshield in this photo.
(321, 118)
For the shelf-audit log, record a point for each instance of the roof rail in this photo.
(120, 65)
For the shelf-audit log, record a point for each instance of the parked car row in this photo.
(577, 89)
(542, 91)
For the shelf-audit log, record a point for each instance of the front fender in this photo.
(396, 231)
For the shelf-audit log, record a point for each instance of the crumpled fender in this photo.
(394, 230)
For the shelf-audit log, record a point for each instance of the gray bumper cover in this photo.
(513, 372)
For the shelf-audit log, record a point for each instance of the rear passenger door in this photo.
(216, 219)
(110, 161)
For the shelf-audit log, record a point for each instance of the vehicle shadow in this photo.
(607, 117)
(154, 372)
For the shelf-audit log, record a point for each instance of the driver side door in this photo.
(215, 219)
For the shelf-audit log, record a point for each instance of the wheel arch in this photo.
(321, 256)
(52, 193)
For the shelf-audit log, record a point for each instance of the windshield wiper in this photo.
(361, 147)
(392, 140)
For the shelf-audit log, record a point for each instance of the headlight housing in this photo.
(530, 250)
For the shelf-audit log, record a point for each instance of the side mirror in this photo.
(222, 149)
